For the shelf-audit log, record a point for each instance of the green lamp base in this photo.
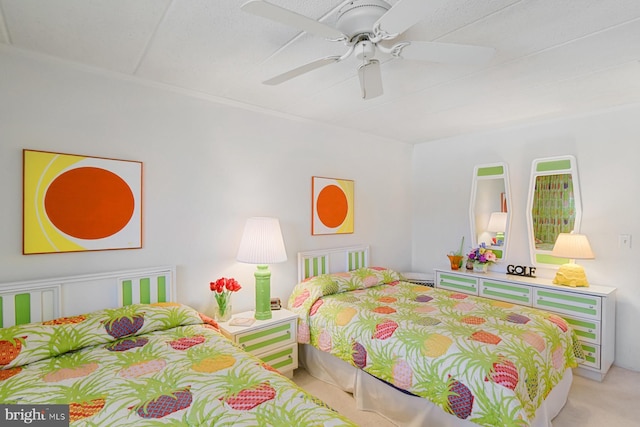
(263, 293)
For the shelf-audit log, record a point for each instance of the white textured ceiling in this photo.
(553, 58)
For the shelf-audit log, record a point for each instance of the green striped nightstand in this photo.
(272, 340)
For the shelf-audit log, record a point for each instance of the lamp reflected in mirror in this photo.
(572, 246)
(498, 225)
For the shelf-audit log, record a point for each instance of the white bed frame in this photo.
(46, 299)
(373, 395)
(335, 260)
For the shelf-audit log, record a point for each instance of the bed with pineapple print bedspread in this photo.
(485, 361)
(149, 365)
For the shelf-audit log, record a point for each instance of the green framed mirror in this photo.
(490, 208)
(554, 206)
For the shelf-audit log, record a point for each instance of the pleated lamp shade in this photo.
(262, 242)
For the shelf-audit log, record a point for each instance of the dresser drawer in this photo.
(283, 359)
(263, 340)
(573, 304)
(591, 354)
(467, 285)
(586, 330)
(509, 292)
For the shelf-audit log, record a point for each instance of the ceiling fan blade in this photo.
(402, 15)
(370, 79)
(303, 69)
(448, 53)
(293, 19)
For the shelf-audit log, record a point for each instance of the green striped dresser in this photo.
(590, 310)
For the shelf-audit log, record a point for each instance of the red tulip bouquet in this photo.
(222, 289)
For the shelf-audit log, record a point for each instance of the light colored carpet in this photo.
(613, 402)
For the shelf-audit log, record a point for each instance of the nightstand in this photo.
(272, 340)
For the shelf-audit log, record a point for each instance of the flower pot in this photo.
(455, 261)
(480, 267)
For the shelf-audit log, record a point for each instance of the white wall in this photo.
(207, 167)
(607, 149)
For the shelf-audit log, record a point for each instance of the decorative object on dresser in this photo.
(272, 340)
(590, 311)
(262, 244)
(455, 259)
(572, 246)
(521, 270)
(482, 258)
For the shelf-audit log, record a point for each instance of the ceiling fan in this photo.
(367, 28)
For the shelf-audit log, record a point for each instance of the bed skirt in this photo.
(403, 409)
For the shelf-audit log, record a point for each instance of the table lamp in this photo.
(262, 244)
(498, 225)
(572, 246)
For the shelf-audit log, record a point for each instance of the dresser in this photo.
(272, 340)
(591, 311)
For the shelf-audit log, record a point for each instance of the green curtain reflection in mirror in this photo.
(553, 210)
(554, 206)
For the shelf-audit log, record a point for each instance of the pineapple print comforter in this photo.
(489, 362)
(149, 365)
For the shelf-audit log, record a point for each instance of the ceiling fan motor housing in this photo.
(358, 16)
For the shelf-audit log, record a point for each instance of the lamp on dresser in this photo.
(572, 246)
(262, 244)
(498, 225)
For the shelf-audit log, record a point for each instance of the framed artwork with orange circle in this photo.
(331, 206)
(76, 203)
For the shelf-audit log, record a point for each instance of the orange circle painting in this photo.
(89, 203)
(332, 206)
(76, 203)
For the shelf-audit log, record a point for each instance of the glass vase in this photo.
(455, 260)
(223, 308)
(480, 267)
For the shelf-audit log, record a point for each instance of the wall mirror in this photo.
(553, 206)
(489, 210)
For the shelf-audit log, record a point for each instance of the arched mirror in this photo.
(553, 207)
(490, 207)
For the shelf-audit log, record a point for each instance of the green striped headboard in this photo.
(357, 259)
(29, 305)
(46, 299)
(145, 289)
(334, 260)
(314, 266)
